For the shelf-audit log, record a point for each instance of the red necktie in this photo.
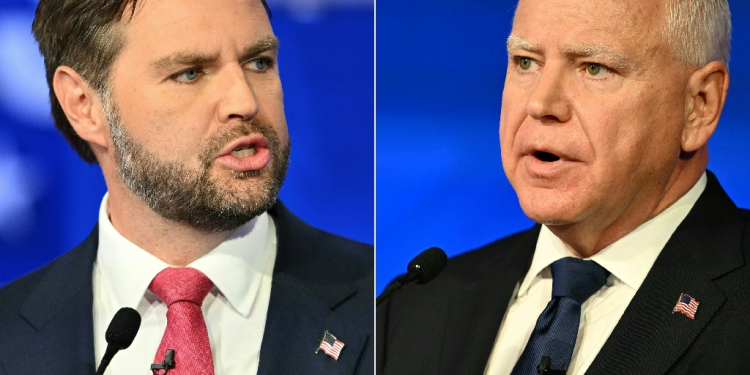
(183, 290)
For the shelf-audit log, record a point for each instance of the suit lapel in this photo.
(477, 308)
(295, 324)
(59, 312)
(650, 338)
(304, 305)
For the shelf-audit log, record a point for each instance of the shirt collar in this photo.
(630, 258)
(235, 266)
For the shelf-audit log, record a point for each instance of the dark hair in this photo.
(81, 34)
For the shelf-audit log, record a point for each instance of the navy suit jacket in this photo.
(320, 282)
(450, 325)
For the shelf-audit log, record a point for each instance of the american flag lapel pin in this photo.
(686, 305)
(330, 345)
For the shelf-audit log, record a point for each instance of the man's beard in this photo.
(191, 196)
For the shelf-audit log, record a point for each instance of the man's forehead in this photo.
(201, 29)
(606, 16)
(184, 16)
(601, 8)
(615, 28)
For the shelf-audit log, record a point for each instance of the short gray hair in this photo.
(699, 31)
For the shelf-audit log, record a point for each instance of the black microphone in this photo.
(166, 364)
(545, 367)
(120, 334)
(422, 269)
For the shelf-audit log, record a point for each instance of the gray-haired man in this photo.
(638, 263)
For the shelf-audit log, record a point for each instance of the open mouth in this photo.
(243, 151)
(546, 156)
(245, 147)
(247, 153)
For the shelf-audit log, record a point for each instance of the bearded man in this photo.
(639, 261)
(180, 103)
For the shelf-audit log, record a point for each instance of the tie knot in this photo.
(577, 278)
(181, 284)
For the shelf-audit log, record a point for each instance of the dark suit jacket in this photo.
(449, 326)
(320, 282)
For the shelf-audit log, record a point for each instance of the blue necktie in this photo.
(573, 282)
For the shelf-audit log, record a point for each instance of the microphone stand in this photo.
(108, 354)
(410, 277)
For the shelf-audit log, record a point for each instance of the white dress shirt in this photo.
(235, 310)
(629, 260)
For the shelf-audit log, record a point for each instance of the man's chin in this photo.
(245, 175)
(552, 221)
(553, 213)
(222, 204)
(227, 218)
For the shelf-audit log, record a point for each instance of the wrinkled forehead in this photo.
(633, 26)
(187, 17)
(205, 31)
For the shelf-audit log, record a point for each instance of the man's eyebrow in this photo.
(266, 44)
(613, 57)
(184, 58)
(198, 58)
(515, 42)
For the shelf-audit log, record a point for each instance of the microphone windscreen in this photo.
(428, 264)
(123, 327)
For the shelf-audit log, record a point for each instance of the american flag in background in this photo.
(686, 305)
(330, 345)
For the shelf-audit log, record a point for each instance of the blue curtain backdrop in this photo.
(440, 74)
(49, 198)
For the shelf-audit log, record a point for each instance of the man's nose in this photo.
(549, 96)
(238, 97)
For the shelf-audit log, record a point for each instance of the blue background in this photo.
(440, 74)
(49, 199)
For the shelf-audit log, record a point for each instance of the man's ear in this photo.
(82, 106)
(707, 91)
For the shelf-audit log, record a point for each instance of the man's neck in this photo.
(590, 236)
(174, 243)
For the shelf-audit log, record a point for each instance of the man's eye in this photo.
(596, 70)
(525, 63)
(187, 76)
(260, 64)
